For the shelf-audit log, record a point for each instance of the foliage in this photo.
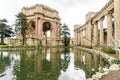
(66, 59)
(65, 34)
(101, 70)
(5, 30)
(115, 61)
(108, 50)
(21, 26)
(86, 46)
(4, 63)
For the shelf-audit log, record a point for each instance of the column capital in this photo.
(102, 18)
(96, 22)
(109, 13)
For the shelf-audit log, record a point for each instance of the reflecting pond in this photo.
(49, 64)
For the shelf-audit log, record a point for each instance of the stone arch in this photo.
(32, 27)
(41, 20)
(47, 28)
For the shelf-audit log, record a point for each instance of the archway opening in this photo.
(47, 32)
(32, 28)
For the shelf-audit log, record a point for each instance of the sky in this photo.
(71, 12)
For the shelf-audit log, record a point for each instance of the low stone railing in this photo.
(113, 67)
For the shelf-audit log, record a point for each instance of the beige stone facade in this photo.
(42, 19)
(94, 26)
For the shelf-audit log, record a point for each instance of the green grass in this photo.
(108, 50)
(86, 46)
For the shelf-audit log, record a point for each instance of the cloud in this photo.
(71, 11)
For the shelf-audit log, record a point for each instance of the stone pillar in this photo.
(58, 33)
(81, 37)
(75, 35)
(40, 28)
(95, 33)
(109, 29)
(53, 36)
(36, 28)
(84, 36)
(55, 30)
(78, 37)
(117, 18)
(101, 32)
(89, 33)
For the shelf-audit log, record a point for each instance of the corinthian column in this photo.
(78, 37)
(40, 28)
(117, 18)
(36, 28)
(75, 37)
(109, 31)
(101, 31)
(89, 33)
(95, 34)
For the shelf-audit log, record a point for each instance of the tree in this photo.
(21, 26)
(5, 30)
(66, 59)
(65, 34)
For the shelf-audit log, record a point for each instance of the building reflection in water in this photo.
(89, 62)
(47, 63)
(39, 65)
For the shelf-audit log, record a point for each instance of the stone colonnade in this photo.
(42, 19)
(93, 29)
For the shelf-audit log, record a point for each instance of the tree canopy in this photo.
(65, 34)
(21, 26)
(5, 30)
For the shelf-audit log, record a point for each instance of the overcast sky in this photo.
(71, 12)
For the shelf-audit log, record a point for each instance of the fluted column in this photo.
(117, 18)
(81, 37)
(86, 34)
(89, 33)
(85, 39)
(78, 37)
(40, 28)
(101, 31)
(109, 31)
(36, 27)
(95, 34)
(75, 37)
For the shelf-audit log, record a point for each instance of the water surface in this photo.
(49, 64)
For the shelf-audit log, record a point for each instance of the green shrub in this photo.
(101, 70)
(109, 50)
(86, 46)
(4, 46)
(115, 61)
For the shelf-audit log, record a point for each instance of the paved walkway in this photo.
(112, 75)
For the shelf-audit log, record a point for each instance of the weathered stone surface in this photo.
(98, 75)
(112, 7)
(114, 67)
(42, 19)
